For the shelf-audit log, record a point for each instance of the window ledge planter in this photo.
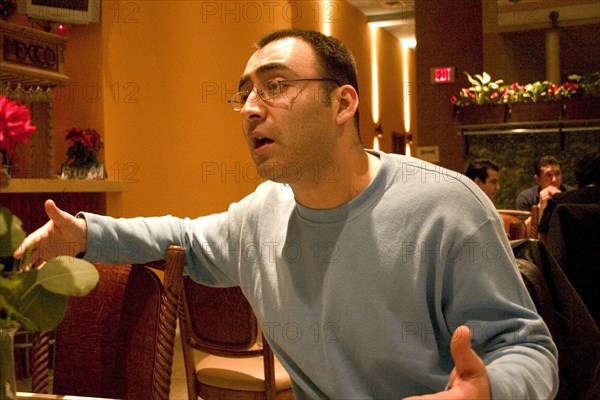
(582, 108)
(543, 111)
(486, 99)
(482, 114)
(578, 108)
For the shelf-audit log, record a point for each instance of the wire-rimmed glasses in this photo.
(268, 90)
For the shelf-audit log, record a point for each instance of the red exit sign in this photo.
(442, 75)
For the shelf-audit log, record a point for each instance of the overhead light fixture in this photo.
(392, 19)
(392, 3)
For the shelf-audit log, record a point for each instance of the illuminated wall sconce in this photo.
(408, 146)
(378, 130)
(401, 143)
(378, 135)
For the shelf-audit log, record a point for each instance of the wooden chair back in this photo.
(514, 223)
(534, 222)
(118, 341)
(220, 323)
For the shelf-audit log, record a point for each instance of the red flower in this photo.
(15, 125)
(570, 86)
(75, 134)
(91, 140)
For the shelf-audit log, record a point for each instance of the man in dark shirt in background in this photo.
(548, 176)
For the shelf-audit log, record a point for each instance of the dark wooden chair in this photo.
(118, 341)
(220, 323)
(573, 239)
(573, 330)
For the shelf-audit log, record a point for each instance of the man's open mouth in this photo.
(260, 142)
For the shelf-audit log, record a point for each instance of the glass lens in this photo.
(238, 100)
(269, 89)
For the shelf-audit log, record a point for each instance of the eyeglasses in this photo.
(268, 90)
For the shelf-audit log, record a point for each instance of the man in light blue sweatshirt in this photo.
(395, 274)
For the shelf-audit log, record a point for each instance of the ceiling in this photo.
(395, 16)
(398, 16)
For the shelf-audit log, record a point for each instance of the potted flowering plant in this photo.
(524, 101)
(584, 100)
(587, 86)
(35, 299)
(482, 92)
(15, 128)
(82, 155)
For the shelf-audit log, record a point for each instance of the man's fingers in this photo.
(465, 359)
(57, 217)
(56, 214)
(469, 369)
(32, 239)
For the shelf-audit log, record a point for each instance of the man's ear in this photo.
(536, 178)
(347, 103)
(478, 181)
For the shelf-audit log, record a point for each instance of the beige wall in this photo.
(170, 133)
(391, 84)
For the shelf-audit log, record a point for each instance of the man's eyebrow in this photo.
(261, 70)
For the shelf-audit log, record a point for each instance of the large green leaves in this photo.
(68, 276)
(11, 233)
(484, 89)
(37, 299)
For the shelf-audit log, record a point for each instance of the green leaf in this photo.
(471, 79)
(37, 299)
(41, 310)
(486, 78)
(31, 305)
(68, 276)
(11, 232)
(27, 254)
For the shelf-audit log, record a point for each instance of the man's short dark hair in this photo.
(479, 169)
(587, 169)
(336, 61)
(542, 162)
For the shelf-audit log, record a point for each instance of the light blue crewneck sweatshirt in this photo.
(360, 302)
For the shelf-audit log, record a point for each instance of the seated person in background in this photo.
(484, 173)
(587, 173)
(548, 176)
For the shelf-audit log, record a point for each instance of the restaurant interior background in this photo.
(154, 77)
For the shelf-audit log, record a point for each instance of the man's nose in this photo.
(251, 106)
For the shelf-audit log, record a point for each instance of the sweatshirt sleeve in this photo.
(144, 239)
(132, 240)
(508, 334)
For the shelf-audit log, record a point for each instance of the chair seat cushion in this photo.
(239, 373)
